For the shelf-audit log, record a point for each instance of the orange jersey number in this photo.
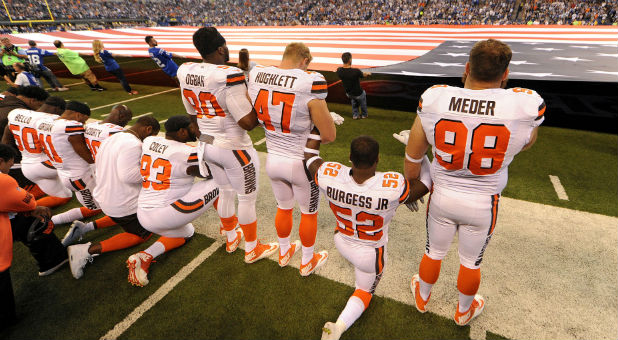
(488, 141)
(27, 140)
(390, 181)
(164, 171)
(332, 169)
(203, 104)
(365, 231)
(93, 146)
(285, 100)
(48, 147)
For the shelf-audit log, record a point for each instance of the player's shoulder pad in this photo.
(531, 102)
(73, 126)
(318, 83)
(233, 75)
(430, 95)
(396, 185)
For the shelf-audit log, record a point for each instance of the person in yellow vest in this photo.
(10, 53)
(77, 66)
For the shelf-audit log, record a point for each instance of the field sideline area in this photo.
(549, 260)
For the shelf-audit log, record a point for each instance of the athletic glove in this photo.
(337, 118)
(402, 136)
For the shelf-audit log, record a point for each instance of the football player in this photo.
(363, 201)
(117, 169)
(170, 197)
(474, 132)
(62, 140)
(161, 57)
(35, 166)
(215, 96)
(289, 101)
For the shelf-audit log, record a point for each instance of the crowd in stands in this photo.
(322, 12)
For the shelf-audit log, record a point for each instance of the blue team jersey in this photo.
(35, 55)
(164, 60)
(108, 61)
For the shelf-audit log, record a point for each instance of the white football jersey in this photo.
(475, 134)
(96, 132)
(54, 137)
(280, 98)
(203, 89)
(164, 171)
(22, 124)
(363, 211)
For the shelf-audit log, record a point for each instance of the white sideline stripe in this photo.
(558, 187)
(132, 99)
(167, 287)
(261, 141)
(162, 121)
(142, 115)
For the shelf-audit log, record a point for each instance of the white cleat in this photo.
(475, 310)
(78, 258)
(318, 260)
(74, 234)
(332, 330)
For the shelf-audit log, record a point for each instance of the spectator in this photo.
(35, 55)
(350, 78)
(24, 78)
(103, 56)
(77, 66)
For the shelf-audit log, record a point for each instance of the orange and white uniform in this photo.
(35, 165)
(281, 98)
(170, 198)
(363, 213)
(216, 94)
(474, 136)
(96, 132)
(74, 172)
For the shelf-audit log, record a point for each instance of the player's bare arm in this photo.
(239, 105)
(533, 135)
(312, 151)
(323, 121)
(78, 142)
(7, 137)
(415, 150)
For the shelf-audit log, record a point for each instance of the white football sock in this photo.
(155, 249)
(352, 311)
(231, 235)
(307, 255)
(249, 246)
(88, 227)
(465, 301)
(284, 245)
(424, 288)
(67, 216)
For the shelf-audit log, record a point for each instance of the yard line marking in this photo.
(162, 121)
(142, 115)
(132, 99)
(558, 187)
(261, 141)
(167, 287)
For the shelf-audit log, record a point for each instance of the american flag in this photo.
(371, 46)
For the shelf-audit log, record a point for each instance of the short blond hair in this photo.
(297, 51)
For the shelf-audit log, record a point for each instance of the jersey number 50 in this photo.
(488, 141)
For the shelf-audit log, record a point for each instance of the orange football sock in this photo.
(121, 241)
(215, 203)
(89, 212)
(308, 229)
(103, 222)
(229, 223)
(283, 222)
(52, 201)
(429, 270)
(171, 242)
(364, 296)
(250, 231)
(468, 280)
(35, 191)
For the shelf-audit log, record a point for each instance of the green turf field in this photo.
(267, 301)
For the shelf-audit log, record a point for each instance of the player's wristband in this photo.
(312, 151)
(413, 160)
(315, 137)
(311, 160)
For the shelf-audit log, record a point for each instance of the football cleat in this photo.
(74, 234)
(284, 259)
(316, 262)
(138, 265)
(260, 251)
(54, 268)
(230, 247)
(476, 308)
(78, 258)
(332, 330)
(416, 291)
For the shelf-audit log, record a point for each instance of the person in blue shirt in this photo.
(103, 56)
(24, 78)
(162, 58)
(35, 55)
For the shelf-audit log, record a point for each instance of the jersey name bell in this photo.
(22, 124)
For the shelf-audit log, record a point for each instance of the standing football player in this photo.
(161, 57)
(215, 96)
(289, 102)
(474, 132)
(170, 197)
(364, 201)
